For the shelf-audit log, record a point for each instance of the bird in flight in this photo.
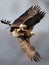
(22, 29)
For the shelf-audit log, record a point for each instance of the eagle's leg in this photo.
(29, 50)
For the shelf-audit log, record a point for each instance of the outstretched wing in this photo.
(34, 20)
(29, 50)
(31, 17)
(30, 13)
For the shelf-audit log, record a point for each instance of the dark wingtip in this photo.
(5, 22)
(40, 14)
(36, 57)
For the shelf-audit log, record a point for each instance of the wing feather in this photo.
(34, 20)
(29, 50)
(27, 15)
(30, 18)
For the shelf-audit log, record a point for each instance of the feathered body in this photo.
(22, 28)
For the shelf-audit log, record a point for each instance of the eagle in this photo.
(22, 28)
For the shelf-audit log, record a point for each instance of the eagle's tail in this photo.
(30, 51)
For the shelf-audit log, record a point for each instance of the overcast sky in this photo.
(10, 51)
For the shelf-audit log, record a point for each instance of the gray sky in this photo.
(10, 51)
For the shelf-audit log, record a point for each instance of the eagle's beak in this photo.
(23, 26)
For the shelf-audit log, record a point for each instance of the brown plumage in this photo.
(30, 18)
(29, 50)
